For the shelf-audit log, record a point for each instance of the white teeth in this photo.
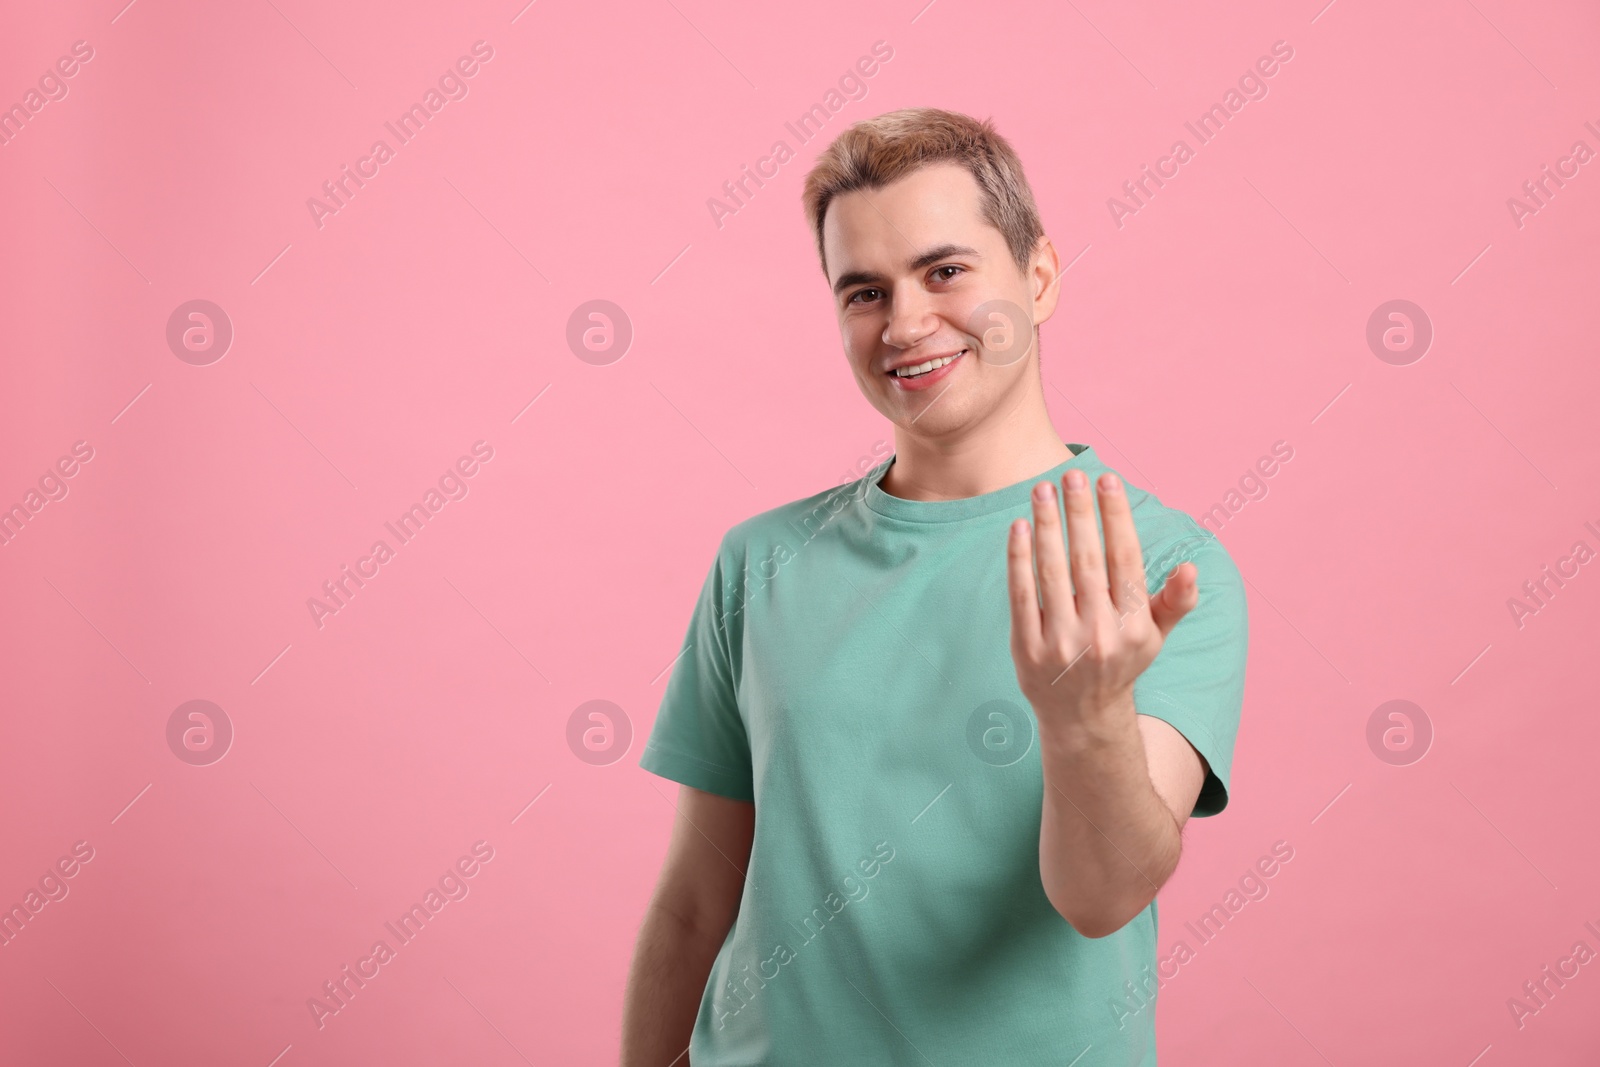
(923, 368)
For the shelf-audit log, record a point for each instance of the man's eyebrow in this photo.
(925, 259)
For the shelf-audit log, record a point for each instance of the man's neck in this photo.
(1002, 452)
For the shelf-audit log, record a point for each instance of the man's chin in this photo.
(934, 416)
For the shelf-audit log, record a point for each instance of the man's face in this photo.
(918, 275)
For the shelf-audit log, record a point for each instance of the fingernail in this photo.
(1076, 479)
(1110, 483)
(1044, 492)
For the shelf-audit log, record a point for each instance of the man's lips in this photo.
(930, 378)
(919, 360)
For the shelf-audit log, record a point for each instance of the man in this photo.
(928, 798)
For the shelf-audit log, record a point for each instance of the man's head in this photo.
(932, 246)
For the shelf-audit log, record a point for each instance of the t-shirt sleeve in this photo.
(1196, 682)
(699, 737)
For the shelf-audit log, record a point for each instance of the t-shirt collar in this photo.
(1009, 498)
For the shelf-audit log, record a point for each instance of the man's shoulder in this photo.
(1169, 536)
(796, 521)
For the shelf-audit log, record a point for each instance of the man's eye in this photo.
(854, 297)
(949, 266)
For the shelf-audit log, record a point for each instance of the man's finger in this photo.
(1124, 558)
(1019, 581)
(1177, 598)
(1055, 589)
(1088, 564)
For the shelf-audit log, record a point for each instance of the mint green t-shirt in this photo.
(848, 669)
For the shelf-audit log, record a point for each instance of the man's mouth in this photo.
(919, 370)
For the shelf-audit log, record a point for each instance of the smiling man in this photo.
(936, 759)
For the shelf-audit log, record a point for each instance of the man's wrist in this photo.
(1088, 729)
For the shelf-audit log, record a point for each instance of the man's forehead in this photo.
(909, 225)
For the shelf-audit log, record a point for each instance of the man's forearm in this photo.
(665, 985)
(1107, 841)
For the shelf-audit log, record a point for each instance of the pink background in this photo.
(368, 354)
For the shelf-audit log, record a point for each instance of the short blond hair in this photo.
(874, 152)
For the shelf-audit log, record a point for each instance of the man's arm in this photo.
(694, 905)
(1118, 785)
(1113, 810)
